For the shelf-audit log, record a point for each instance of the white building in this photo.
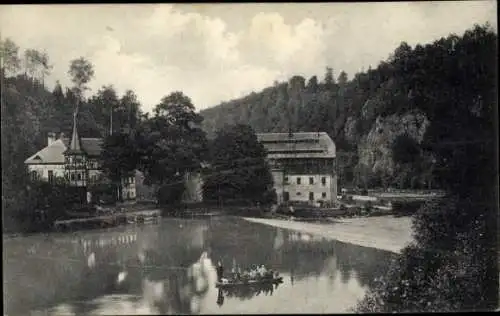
(302, 165)
(77, 161)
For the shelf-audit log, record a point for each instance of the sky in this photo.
(218, 52)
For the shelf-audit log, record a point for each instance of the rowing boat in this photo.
(260, 282)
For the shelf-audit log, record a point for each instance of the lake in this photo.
(169, 268)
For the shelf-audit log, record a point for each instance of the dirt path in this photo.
(384, 232)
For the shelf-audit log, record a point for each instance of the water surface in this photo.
(168, 268)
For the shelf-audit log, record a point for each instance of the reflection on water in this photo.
(245, 292)
(169, 269)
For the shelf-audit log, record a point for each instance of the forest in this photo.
(376, 114)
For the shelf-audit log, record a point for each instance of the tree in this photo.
(342, 79)
(177, 109)
(36, 64)
(118, 159)
(329, 80)
(239, 169)
(81, 72)
(105, 106)
(312, 84)
(129, 110)
(171, 144)
(10, 56)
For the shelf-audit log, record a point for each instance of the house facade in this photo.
(77, 161)
(303, 166)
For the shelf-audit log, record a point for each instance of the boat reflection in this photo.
(245, 292)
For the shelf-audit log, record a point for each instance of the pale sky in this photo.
(218, 52)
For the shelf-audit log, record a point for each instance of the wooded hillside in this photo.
(397, 102)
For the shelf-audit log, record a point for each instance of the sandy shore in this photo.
(384, 232)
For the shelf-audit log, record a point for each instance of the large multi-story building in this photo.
(302, 165)
(77, 161)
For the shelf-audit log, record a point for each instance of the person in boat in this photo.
(245, 276)
(254, 273)
(238, 274)
(233, 273)
(220, 271)
(262, 271)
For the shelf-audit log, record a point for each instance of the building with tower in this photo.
(77, 161)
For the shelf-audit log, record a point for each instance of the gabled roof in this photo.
(91, 146)
(298, 145)
(54, 153)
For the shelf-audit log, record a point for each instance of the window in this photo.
(311, 196)
(34, 175)
(298, 180)
(79, 176)
(73, 177)
(51, 176)
(286, 180)
(323, 181)
(323, 195)
(298, 193)
(311, 180)
(286, 196)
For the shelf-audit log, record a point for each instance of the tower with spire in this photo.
(76, 161)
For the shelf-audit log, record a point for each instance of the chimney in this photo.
(51, 138)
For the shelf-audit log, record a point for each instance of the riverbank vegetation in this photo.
(452, 264)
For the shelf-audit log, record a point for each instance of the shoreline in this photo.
(383, 232)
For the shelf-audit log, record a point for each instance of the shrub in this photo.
(440, 271)
(405, 208)
(171, 193)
